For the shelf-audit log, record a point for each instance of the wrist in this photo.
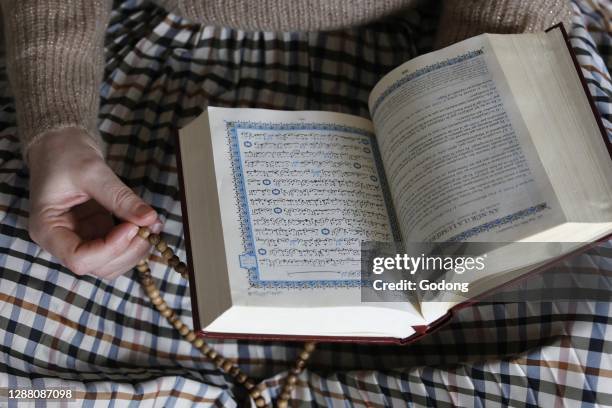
(52, 144)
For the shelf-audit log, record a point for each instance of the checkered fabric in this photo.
(107, 342)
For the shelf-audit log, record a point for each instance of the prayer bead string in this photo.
(221, 362)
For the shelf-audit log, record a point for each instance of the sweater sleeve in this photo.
(285, 15)
(463, 19)
(55, 59)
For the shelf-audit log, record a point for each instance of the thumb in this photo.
(110, 192)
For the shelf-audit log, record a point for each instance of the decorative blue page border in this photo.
(420, 72)
(248, 260)
(508, 219)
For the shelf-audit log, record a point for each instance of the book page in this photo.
(298, 192)
(555, 107)
(458, 157)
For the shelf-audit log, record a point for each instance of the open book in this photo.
(493, 139)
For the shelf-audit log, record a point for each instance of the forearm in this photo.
(55, 59)
(285, 15)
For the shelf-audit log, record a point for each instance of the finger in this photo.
(61, 242)
(137, 250)
(131, 258)
(85, 257)
(116, 197)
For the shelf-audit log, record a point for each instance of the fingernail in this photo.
(157, 227)
(132, 232)
(142, 210)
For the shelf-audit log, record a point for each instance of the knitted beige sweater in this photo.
(55, 47)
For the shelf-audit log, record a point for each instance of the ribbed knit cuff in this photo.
(55, 60)
(60, 92)
(294, 15)
(463, 19)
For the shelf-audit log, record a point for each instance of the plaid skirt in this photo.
(108, 343)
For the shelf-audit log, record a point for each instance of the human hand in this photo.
(73, 195)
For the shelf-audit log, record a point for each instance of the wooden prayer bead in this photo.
(260, 402)
(304, 355)
(241, 378)
(309, 347)
(167, 313)
(177, 324)
(167, 254)
(219, 361)
(234, 371)
(162, 307)
(184, 330)
(144, 232)
(282, 403)
(228, 366)
(142, 268)
(291, 379)
(295, 370)
(255, 393)
(205, 349)
(182, 268)
(300, 364)
(198, 342)
(191, 336)
(161, 246)
(212, 354)
(174, 261)
(154, 239)
(153, 293)
(157, 301)
(285, 396)
(249, 385)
